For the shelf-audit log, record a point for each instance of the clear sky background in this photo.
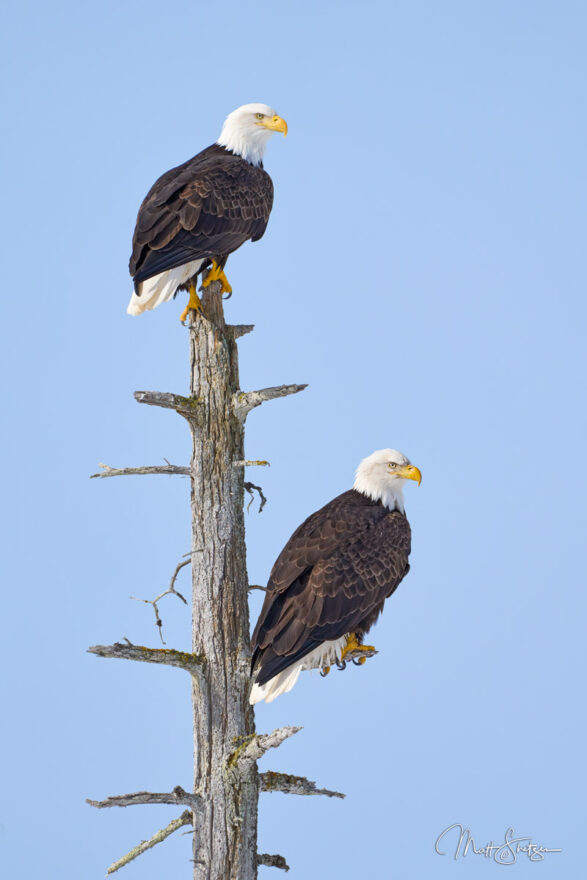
(424, 271)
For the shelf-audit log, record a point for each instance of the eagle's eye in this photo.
(260, 115)
(392, 464)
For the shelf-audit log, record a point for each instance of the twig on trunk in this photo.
(251, 463)
(169, 591)
(238, 330)
(250, 487)
(245, 401)
(272, 861)
(289, 784)
(192, 663)
(255, 746)
(176, 796)
(186, 818)
(170, 469)
(191, 407)
(257, 587)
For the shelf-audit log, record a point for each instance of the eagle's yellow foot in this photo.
(353, 645)
(324, 671)
(356, 652)
(217, 274)
(226, 288)
(194, 303)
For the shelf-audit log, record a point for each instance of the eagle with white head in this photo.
(197, 214)
(330, 581)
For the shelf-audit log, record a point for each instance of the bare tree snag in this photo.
(222, 805)
(225, 830)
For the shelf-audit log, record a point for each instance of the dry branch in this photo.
(191, 407)
(248, 463)
(240, 329)
(190, 662)
(272, 861)
(186, 818)
(170, 591)
(254, 747)
(251, 488)
(177, 796)
(169, 469)
(289, 784)
(245, 401)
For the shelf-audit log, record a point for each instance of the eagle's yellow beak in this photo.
(409, 472)
(276, 123)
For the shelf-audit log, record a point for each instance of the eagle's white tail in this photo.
(161, 288)
(279, 684)
(324, 655)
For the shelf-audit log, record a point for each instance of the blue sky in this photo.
(424, 271)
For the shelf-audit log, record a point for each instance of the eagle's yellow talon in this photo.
(211, 276)
(215, 273)
(194, 303)
(226, 288)
(353, 646)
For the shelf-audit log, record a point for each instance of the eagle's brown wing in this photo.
(332, 578)
(204, 208)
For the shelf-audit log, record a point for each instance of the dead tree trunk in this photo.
(226, 785)
(225, 838)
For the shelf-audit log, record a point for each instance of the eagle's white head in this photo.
(381, 477)
(247, 130)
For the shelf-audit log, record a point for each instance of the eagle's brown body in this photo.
(202, 210)
(331, 578)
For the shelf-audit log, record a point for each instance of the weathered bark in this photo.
(225, 828)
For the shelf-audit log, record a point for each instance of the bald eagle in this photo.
(330, 581)
(197, 214)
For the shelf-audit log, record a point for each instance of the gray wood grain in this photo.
(225, 829)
